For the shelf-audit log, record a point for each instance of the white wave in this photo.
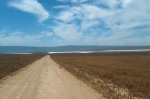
(102, 51)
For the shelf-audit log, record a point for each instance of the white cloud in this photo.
(19, 38)
(126, 2)
(47, 33)
(133, 15)
(113, 4)
(69, 14)
(61, 7)
(110, 3)
(94, 12)
(30, 6)
(66, 16)
(89, 24)
(68, 32)
(84, 12)
(133, 41)
(73, 1)
(120, 22)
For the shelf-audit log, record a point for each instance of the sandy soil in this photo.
(44, 79)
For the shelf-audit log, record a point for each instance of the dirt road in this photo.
(44, 79)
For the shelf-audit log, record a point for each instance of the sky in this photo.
(74, 22)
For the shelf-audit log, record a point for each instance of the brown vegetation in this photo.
(110, 72)
(11, 63)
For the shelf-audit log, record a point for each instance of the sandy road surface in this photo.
(44, 79)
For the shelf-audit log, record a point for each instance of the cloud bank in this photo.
(30, 6)
(106, 22)
(87, 22)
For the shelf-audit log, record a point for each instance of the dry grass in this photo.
(11, 63)
(129, 71)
